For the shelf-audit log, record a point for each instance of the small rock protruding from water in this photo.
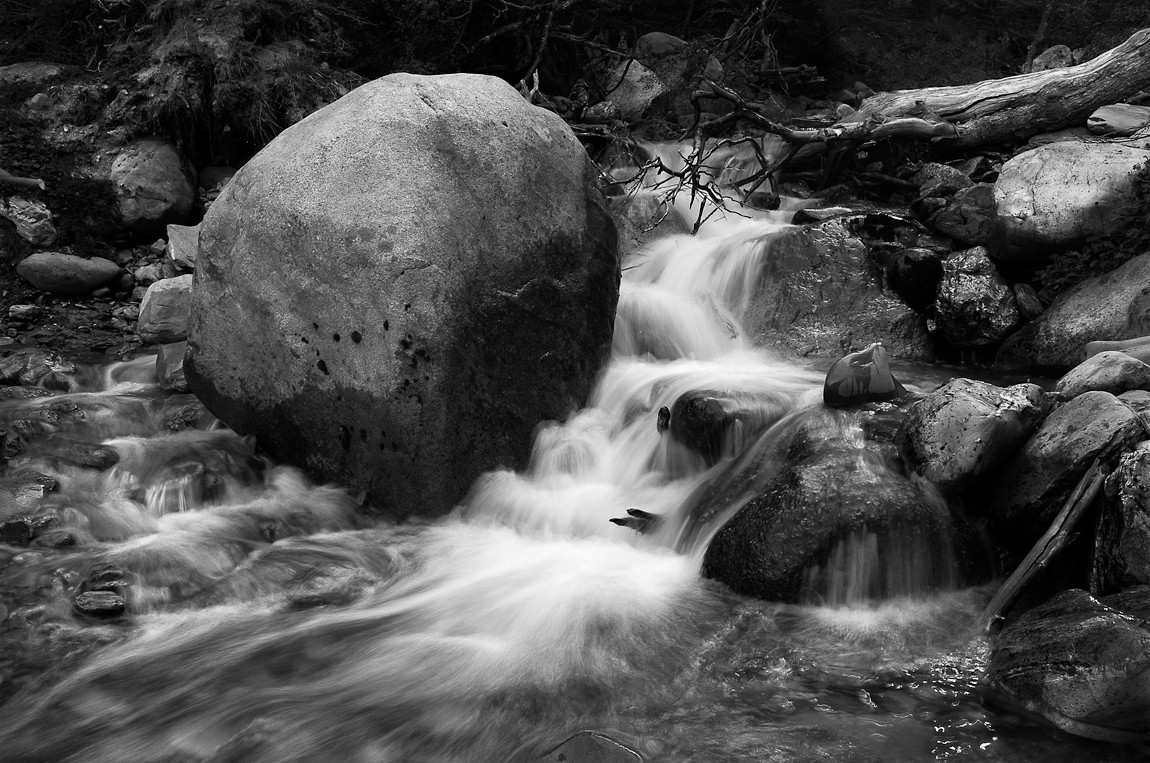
(99, 604)
(170, 367)
(718, 423)
(591, 747)
(974, 307)
(862, 377)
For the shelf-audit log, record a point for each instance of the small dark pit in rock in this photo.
(101, 604)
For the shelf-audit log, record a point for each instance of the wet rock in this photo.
(819, 214)
(85, 455)
(1113, 372)
(820, 291)
(591, 747)
(833, 489)
(154, 186)
(1080, 663)
(1033, 485)
(861, 377)
(936, 179)
(164, 311)
(974, 306)
(968, 217)
(1098, 309)
(54, 539)
(189, 416)
(967, 428)
(36, 73)
(1118, 120)
(170, 367)
(642, 218)
(718, 423)
(914, 275)
(99, 604)
(18, 530)
(67, 274)
(1122, 541)
(411, 379)
(23, 393)
(183, 246)
(32, 219)
(1040, 212)
(28, 366)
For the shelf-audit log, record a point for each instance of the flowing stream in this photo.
(269, 620)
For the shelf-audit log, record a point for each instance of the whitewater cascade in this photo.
(273, 622)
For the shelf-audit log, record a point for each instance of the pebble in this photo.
(102, 604)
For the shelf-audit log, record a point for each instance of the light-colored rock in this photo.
(1138, 347)
(1118, 120)
(170, 367)
(1110, 371)
(155, 186)
(1032, 486)
(1098, 309)
(67, 274)
(967, 428)
(968, 217)
(819, 291)
(674, 60)
(974, 306)
(1058, 195)
(183, 246)
(32, 219)
(146, 275)
(164, 311)
(391, 343)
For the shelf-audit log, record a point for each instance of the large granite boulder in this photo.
(399, 288)
(1080, 662)
(1058, 195)
(1104, 308)
(966, 429)
(819, 292)
(1032, 486)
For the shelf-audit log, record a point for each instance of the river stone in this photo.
(1113, 372)
(966, 429)
(28, 366)
(632, 88)
(183, 246)
(1122, 541)
(1118, 120)
(101, 604)
(400, 287)
(170, 367)
(1029, 305)
(32, 219)
(1103, 308)
(1054, 57)
(1138, 347)
(1058, 195)
(164, 311)
(718, 423)
(969, 216)
(819, 292)
(67, 274)
(1080, 663)
(154, 185)
(832, 485)
(1033, 485)
(974, 306)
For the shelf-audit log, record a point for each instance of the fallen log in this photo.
(1012, 109)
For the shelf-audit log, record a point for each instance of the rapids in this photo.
(270, 619)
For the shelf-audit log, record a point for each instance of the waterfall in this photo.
(273, 621)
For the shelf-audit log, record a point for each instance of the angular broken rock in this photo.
(32, 219)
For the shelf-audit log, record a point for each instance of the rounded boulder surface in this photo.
(400, 287)
(67, 274)
(1108, 371)
(164, 311)
(154, 185)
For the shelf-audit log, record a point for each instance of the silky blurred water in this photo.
(270, 619)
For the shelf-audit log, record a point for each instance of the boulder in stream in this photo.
(1081, 663)
(718, 423)
(1122, 541)
(1110, 371)
(974, 307)
(400, 287)
(164, 311)
(968, 428)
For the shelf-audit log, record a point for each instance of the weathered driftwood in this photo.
(1053, 540)
(1014, 108)
(8, 179)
